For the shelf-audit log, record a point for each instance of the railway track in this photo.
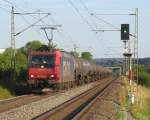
(100, 103)
(15, 102)
(72, 109)
(34, 106)
(19, 101)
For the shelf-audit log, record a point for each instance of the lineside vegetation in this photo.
(19, 85)
(4, 93)
(141, 110)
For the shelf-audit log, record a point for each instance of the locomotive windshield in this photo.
(42, 61)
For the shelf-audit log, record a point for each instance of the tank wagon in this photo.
(57, 68)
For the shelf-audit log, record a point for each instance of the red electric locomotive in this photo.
(60, 68)
(43, 68)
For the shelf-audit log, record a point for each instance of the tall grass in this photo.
(141, 109)
(4, 93)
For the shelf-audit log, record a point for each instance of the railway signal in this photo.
(125, 32)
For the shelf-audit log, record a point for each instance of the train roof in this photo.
(66, 54)
(42, 52)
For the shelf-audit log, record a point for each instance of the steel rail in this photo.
(71, 108)
(19, 101)
(100, 96)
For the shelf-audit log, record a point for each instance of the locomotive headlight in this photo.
(52, 76)
(31, 76)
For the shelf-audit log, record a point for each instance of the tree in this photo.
(86, 55)
(21, 65)
(5, 64)
(31, 46)
(144, 75)
(74, 53)
(47, 48)
(5, 58)
(43, 48)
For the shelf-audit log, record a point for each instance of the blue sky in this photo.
(74, 29)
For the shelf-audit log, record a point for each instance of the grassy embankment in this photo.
(141, 109)
(4, 93)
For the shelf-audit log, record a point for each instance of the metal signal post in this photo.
(13, 58)
(133, 76)
(135, 60)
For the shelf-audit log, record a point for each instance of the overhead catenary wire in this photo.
(78, 11)
(63, 33)
(43, 22)
(83, 17)
(12, 4)
(88, 11)
(61, 30)
(94, 23)
(31, 25)
(80, 14)
(85, 20)
(21, 9)
(37, 31)
(7, 1)
(46, 24)
(115, 28)
(92, 14)
(4, 5)
(104, 21)
(114, 14)
(4, 9)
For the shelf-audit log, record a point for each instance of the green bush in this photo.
(144, 76)
(21, 66)
(4, 93)
(5, 64)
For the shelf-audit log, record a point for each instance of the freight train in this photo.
(60, 69)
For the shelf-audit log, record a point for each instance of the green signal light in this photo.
(124, 31)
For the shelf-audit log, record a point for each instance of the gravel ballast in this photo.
(31, 110)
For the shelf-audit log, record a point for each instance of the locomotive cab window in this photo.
(42, 61)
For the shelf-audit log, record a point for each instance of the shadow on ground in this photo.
(14, 87)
